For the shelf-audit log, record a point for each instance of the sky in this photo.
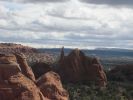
(71, 23)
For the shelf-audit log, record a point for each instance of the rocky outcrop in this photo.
(76, 67)
(26, 70)
(123, 73)
(40, 68)
(17, 81)
(13, 84)
(13, 48)
(51, 86)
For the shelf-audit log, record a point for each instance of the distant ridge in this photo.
(99, 52)
(12, 48)
(114, 49)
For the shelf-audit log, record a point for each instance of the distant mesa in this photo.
(76, 67)
(13, 48)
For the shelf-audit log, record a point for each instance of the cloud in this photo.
(34, 1)
(110, 2)
(72, 24)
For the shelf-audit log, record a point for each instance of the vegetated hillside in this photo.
(40, 57)
(119, 86)
(113, 91)
(32, 54)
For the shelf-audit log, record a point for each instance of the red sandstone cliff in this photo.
(17, 81)
(77, 67)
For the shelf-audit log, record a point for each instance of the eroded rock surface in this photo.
(51, 86)
(77, 67)
(13, 84)
(17, 81)
(26, 70)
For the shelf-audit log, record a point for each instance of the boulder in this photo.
(26, 70)
(51, 86)
(14, 85)
(76, 67)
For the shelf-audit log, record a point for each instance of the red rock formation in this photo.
(51, 86)
(62, 55)
(16, 81)
(77, 67)
(14, 85)
(13, 48)
(26, 70)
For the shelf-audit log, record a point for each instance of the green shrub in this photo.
(113, 91)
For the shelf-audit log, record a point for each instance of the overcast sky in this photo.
(70, 23)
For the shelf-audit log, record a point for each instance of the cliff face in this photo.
(51, 86)
(25, 68)
(13, 84)
(17, 81)
(76, 67)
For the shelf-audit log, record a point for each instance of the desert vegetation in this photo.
(113, 91)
